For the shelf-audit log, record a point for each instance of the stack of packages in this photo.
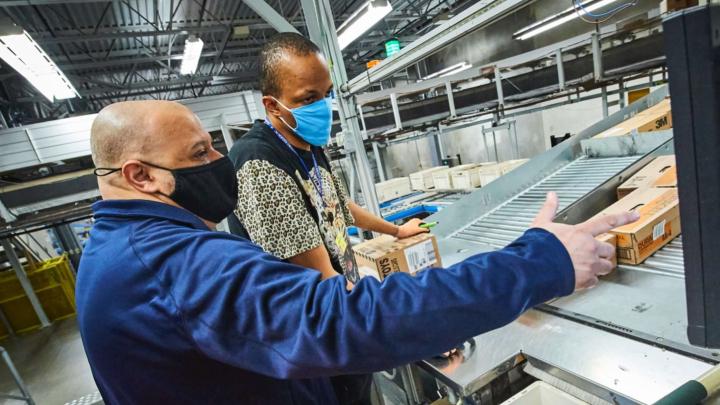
(652, 192)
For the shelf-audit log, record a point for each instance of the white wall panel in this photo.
(69, 138)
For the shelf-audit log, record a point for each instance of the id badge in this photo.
(341, 242)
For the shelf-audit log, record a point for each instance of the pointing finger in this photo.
(548, 210)
(600, 225)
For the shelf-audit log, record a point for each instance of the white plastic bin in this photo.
(541, 393)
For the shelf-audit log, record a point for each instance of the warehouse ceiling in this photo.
(132, 49)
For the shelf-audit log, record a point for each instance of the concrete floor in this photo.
(53, 364)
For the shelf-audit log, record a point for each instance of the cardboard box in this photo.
(392, 189)
(442, 180)
(659, 223)
(385, 255)
(650, 174)
(668, 178)
(611, 239)
(655, 118)
(423, 180)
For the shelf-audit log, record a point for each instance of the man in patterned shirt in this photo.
(289, 201)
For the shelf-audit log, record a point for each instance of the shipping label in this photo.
(420, 256)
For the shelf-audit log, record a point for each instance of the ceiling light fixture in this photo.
(191, 55)
(362, 20)
(561, 18)
(24, 55)
(450, 70)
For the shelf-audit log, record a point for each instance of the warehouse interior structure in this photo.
(463, 113)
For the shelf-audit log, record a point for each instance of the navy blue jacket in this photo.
(171, 312)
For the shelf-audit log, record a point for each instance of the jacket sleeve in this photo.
(246, 308)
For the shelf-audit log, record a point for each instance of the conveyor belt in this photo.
(506, 223)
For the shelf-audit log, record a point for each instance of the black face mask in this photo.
(208, 191)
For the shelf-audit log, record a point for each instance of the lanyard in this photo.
(317, 182)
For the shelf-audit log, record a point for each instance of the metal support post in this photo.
(362, 121)
(512, 129)
(321, 26)
(597, 57)
(437, 148)
(498, 87)
(451, 99)
(2, 121)
(378, 161)
(487, 149)
(24, 281)
(621, 94)
(396, 111)
(560, 69)
(408, 380)
(497, 156)
(69, 243)
(18, 380)
(5, 213)
(605, 108)
(227, 136)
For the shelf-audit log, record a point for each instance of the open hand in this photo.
(590, 257)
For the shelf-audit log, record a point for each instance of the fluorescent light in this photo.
(191, 55)
(362, 20)
(450, 70)
(553, 21)
(23, 54)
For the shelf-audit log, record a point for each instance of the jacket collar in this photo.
(146, 209)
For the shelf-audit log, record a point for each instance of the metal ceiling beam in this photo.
(129, 34)
(156, 86)
(15, 3)
(269, 14)
(482, 13)
(151, 59)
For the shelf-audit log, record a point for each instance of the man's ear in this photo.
(144, 179)
(271, 106)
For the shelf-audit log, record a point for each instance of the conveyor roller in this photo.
(504, 224)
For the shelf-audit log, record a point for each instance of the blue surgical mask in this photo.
(313, 121)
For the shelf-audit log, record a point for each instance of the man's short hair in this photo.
(272, 54)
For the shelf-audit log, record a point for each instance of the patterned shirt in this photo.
(279, 207)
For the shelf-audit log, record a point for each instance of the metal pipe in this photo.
(605, 108)
(396, 111)
(560, 69)
(16, 376)
(451, 99)
(499, 89)
(378, 161)
(24, 281)
(597, 56)
(497, 157)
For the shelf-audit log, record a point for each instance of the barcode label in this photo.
(659, 230)
(420, 256)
